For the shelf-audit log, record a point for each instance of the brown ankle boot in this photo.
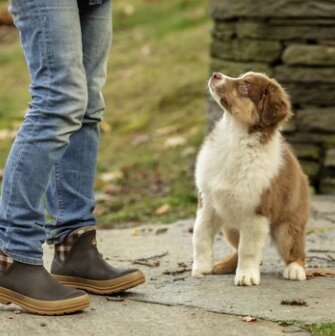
(35, 290)
(77, 263)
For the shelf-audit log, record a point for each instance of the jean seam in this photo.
(46, 54)
(6, 210)
(59, 194)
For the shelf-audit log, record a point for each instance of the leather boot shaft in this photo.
(78, 263)
(34, 289)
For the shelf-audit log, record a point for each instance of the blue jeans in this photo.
(52, 162)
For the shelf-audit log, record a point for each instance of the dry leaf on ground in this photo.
(167, 130)
(249, 319)
(161, 230)
(111, 176)
(294, 302)
(6, 134)
(162, 209)
(319, 272)
(105, 127)
(173, 142)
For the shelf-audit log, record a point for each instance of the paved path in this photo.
(172, 303)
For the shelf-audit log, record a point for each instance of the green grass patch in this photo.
(322, 329)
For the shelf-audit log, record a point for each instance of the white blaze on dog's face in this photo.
(253, 99)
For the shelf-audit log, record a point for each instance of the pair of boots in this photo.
(76, 264)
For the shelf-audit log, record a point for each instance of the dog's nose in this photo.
(217, 76)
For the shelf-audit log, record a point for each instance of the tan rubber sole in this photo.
(112, 286)
(44, 307)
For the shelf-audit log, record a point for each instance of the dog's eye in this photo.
(244, 88)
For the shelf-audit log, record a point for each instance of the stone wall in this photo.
(293, 41)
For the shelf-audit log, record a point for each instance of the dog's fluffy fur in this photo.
(250, 184)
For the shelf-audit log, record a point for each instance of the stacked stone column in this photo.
(294, 42)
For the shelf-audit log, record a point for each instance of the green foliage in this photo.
(156, 89)
(322, 329)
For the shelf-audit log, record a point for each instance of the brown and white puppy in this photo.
(250, 184)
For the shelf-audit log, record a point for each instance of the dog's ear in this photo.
(274, 106)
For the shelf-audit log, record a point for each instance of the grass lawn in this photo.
(155, 101)
(322, 329)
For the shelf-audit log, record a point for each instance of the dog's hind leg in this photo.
(205, 229)
(290, 241)
(228, 264)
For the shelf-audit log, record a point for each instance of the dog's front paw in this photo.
(199, 271)
(294, 271)
(247, 277)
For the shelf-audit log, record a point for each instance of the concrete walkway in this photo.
(173, 303)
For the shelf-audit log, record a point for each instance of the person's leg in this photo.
(70, 196)
(77, 261)
(51, 38)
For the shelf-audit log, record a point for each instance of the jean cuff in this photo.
(22, 259)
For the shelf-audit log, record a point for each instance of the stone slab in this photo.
(307, 151)
(305, 93)
(330, 158)
(302, 54)
(305, 74)
(246, 50)
(288, 30)
(227, 9)
(316, 119)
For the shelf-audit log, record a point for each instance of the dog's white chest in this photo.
(234, 169)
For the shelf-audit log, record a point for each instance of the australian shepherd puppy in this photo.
(250, 183)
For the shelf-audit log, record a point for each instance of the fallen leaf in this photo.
(146, 50)
(319, 272)
(249, 319)
(128, 9)
(135, 233)
(176, 272)
(160, 231)
(102, 197)
(294, 302)
(155, 263)
(105, 127)
(6, 134)
(167, 130)
(111, 176)
(162, 209)
(176, 141)
(5, 18)
(182, 264)
(111, 189)
(115, 298)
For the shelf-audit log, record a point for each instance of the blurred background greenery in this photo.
(154, 120)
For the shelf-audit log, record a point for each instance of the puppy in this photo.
(250, 184)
